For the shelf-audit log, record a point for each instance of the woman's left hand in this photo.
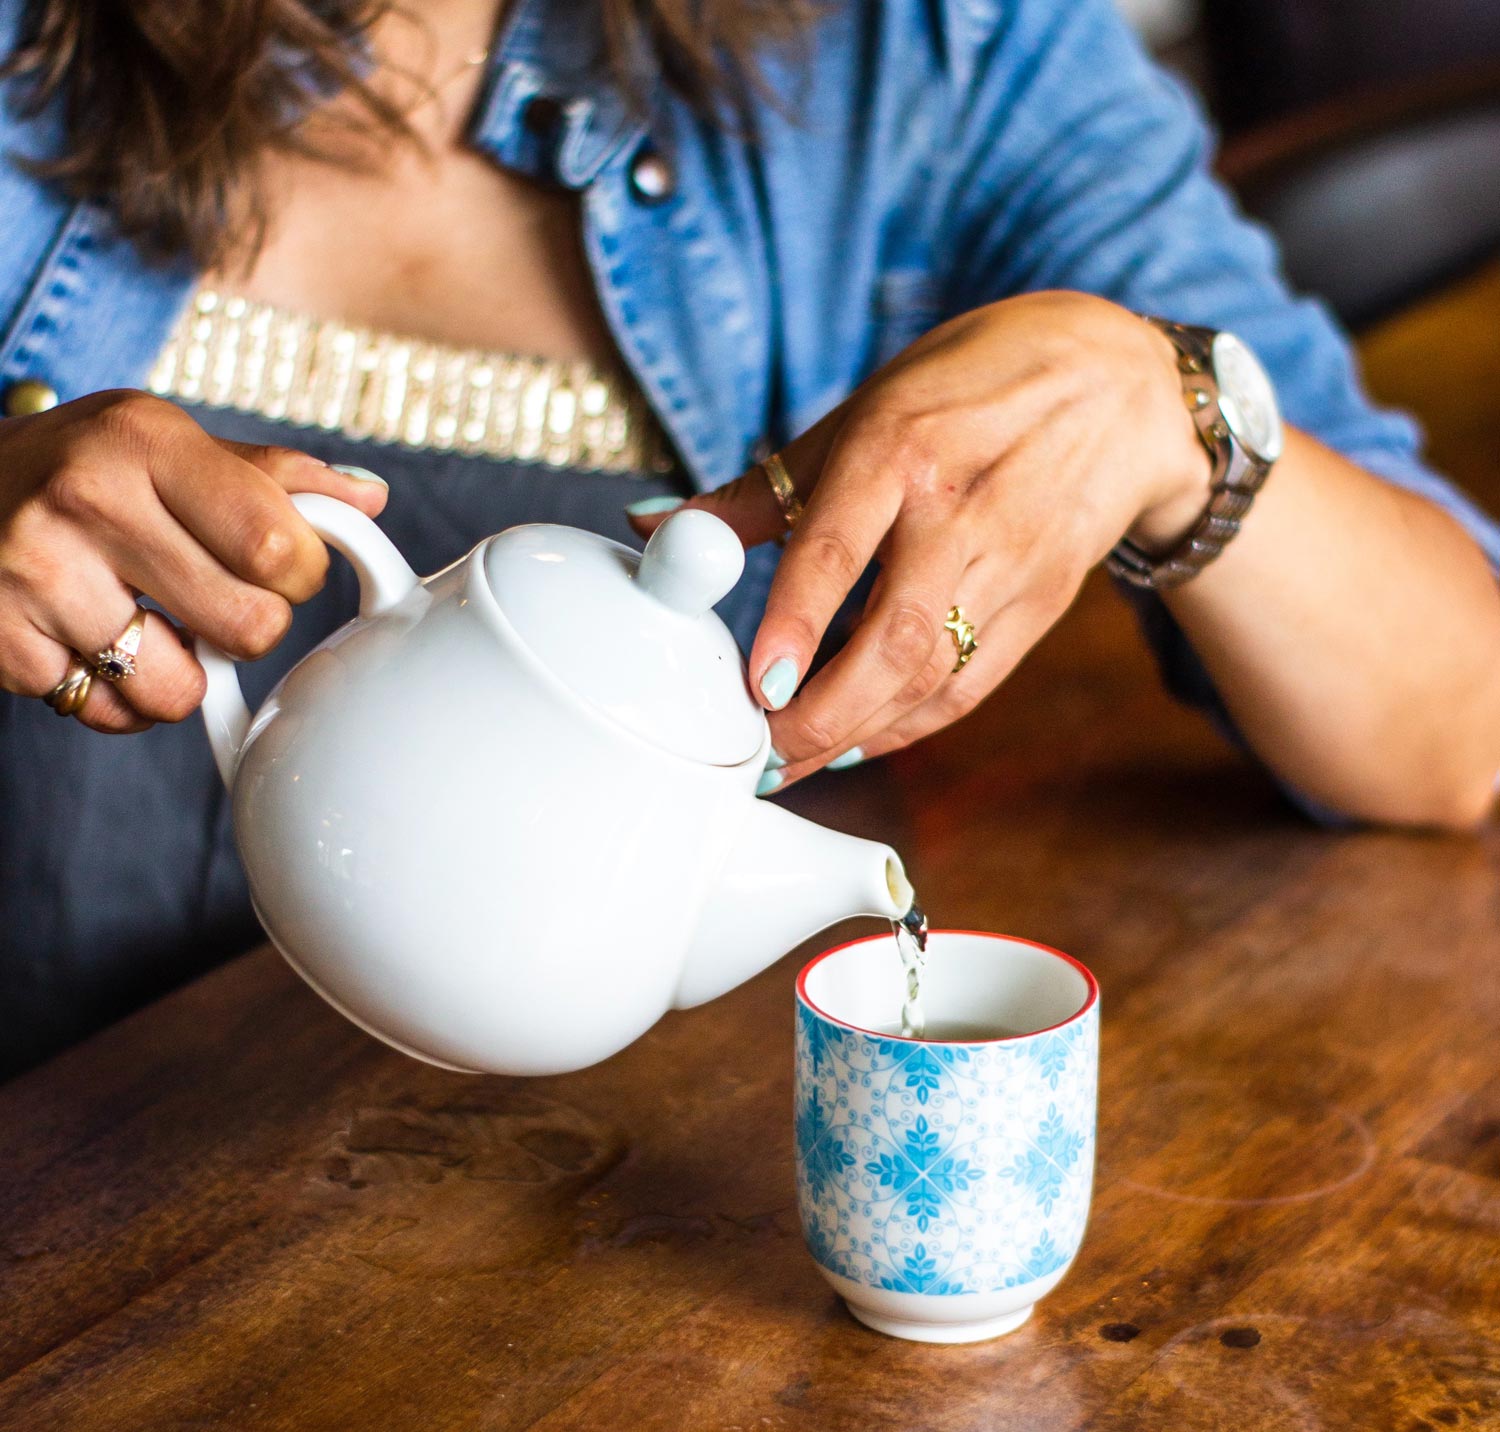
(988, 467)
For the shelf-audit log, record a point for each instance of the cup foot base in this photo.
(980, 1331)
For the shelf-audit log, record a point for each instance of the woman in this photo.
(907, 245)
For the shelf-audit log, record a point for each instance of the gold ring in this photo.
(117, 662)
(782, 490)
(965, 637)
(68, 696)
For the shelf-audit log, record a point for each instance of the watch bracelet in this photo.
(1228, 503)
(1215, 529)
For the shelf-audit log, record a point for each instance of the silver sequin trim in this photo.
(229, 352)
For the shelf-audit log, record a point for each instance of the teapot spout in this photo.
(784, 879)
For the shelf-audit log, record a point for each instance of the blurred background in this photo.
(1365, 133)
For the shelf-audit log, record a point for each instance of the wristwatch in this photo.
(1233, 405)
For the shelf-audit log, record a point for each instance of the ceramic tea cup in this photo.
(944, 1185)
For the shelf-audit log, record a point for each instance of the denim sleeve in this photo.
(1079, 164)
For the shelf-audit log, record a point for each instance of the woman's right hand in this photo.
(119, 494)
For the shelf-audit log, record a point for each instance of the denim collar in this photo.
(554, 50)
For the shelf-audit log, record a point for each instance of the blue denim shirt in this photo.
(918, 160)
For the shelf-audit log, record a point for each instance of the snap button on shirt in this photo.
(651, 177)
(28, 396)
(542, 116)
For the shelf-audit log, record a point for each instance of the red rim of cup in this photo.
(1083, 1009)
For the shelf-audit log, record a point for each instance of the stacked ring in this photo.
(68, 696)
(782, 490)
(115, 663)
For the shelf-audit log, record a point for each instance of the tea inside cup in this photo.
(971, 993)
(944, 1182)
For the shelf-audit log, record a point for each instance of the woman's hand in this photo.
(120, 494)
(989, 466)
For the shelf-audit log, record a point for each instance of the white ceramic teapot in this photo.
(505, 818)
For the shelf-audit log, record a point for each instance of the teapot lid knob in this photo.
(691, 562)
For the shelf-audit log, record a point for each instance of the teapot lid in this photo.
(635, 634)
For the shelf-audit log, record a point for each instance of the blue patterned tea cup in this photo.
(944, 1186)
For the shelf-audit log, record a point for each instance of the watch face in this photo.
(1246, 398)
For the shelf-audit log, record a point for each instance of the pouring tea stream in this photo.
(506, 818)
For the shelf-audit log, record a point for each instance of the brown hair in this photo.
(168, 106)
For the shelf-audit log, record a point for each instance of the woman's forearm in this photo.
(1352, 628)
(1353, 631)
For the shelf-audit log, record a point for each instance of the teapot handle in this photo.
(384, 579)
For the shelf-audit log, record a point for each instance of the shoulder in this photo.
(932, 42)
(26, 134)
(961, 52)
(31, 211)
(13, 16)
(21, 133)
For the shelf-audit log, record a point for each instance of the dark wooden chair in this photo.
(1380, 198)
(1270, 58)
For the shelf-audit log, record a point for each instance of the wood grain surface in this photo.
(235, 1211)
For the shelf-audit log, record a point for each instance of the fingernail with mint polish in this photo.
(774, 759)
(768, 783)
(360, 474)
(852, 757)
(654, 506)
(779, 683)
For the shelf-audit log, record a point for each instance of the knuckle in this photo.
(308, 579)
(80, 491)
(272, 554)
(179, 695)
(833, 553)
(280, 463)
(258, 624)
(276, 453)
(32, 564)
(793, 632)
(812, 733)
(922, 685)
(907, 636)
(911, 447)
(955, 700)
(133, 415)
(26, 669)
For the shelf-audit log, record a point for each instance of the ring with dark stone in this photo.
(116, 662)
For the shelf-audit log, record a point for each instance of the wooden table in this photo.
(235, 1211)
